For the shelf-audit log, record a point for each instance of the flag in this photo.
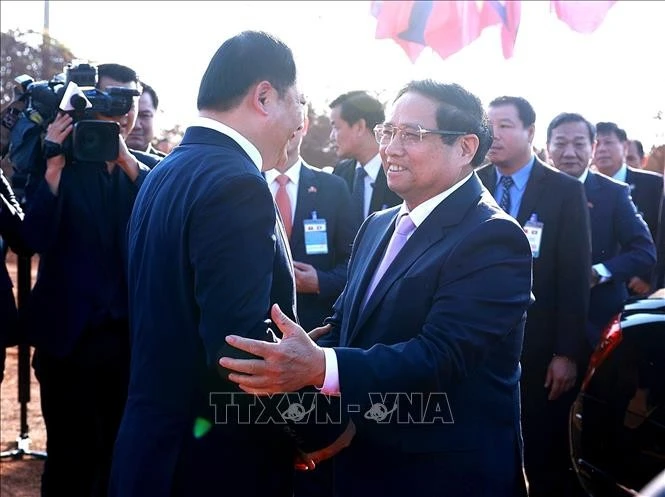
(445, 26)
(583, 17)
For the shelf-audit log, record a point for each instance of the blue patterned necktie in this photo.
(506, 182)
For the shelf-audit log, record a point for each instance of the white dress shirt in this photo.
(372, 169)
(418, 216)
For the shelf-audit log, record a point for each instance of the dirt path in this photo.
(19, 478)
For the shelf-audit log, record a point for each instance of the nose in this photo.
(569, 150)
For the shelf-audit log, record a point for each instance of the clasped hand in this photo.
(288, 365)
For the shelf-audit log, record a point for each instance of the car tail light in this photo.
(609, 340)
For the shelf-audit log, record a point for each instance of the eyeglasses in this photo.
(385, 133)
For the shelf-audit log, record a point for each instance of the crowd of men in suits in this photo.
(151, 264)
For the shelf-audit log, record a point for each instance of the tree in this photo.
(25, 53)
(316, 148)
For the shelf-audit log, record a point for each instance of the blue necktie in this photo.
(358, 195)
(506, 182)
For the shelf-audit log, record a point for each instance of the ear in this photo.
(469, 147)
(305, 125)
(532, 132)
(261, 96)
(360, 126)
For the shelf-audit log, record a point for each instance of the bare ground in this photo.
(19, 477)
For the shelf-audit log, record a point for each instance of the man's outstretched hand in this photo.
(292, 363)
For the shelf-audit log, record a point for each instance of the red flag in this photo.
(583, 17)
(446, 27)
(392, 21)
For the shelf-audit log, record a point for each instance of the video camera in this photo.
(37, 103)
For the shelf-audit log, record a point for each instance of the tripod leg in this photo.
(23, 440)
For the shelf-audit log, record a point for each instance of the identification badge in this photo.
(316, 236)
(534, 233)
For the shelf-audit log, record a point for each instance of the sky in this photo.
(615, 74)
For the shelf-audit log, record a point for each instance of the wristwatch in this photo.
(52, 149)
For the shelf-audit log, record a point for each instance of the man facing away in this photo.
(207, 257)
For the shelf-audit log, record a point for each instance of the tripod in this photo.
(23, 440)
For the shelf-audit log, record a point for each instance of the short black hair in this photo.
(524, 108)
(242, 61)
(150, 91)
(357, 105)
(609, 128)
(639, 147)
(117, 72)
(458, 110)
(570, 117)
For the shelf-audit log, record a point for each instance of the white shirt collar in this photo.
(372, 167)
(244, 143)
(293, 173)
(620, 175)
(420, 213)
(583, 176)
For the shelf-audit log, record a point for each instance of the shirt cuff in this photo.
(331, 379)
(605, 274)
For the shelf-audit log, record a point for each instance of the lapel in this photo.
(631, 177)
(306, 202)
(377, 235)
(492, 176)
(533, 192)
(448, 214)
(593, 191)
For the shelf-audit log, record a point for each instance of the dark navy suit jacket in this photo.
(620, 240)
(646, 190)
(382, 196)
(557, 319)
(446, 318)
(207, 258)
(328, 196)
(80, 236)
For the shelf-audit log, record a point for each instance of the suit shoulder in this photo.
(485, 172)
(327, 178)
(344, 166)
(560, 179)
(650, 178)
(149, 160)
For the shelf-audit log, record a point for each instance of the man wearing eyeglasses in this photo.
(423, 346)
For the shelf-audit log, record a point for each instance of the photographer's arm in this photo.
(56, 133)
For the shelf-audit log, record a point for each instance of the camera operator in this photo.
(11, 216)
(77, 314)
